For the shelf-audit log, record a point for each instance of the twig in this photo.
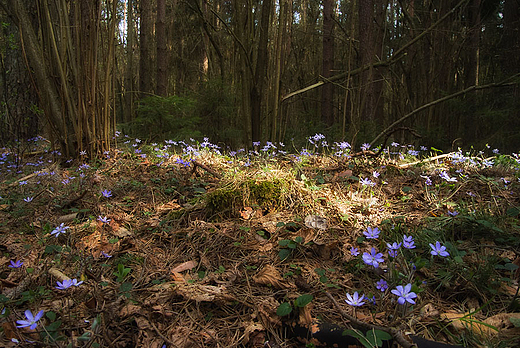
(206, 168)
(396, 334)
(166, 339)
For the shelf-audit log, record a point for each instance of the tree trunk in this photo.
(257, 91)
(145, 45)
(162, 51)
(129, 76)
(327, 91)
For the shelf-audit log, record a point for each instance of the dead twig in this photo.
(206, 168)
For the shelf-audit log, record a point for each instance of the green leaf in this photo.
(292, 245)
(406, 189)
(513, 212)
(360, 337)
(303, 300)
(51, 315)
(126, 287)
(284, 309)
(510, 266)
(284, 253)
(85, 337)
(320, 271)
(284, 242)
(298, 239)
(54, 326)
(515, 321)
(280, 224)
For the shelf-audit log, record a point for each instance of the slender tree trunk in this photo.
(282, 23)
(327, 91)
(162, 51)
(257, 92)
(145, 44)
(129, 76)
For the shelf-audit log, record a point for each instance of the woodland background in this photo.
(260, 70)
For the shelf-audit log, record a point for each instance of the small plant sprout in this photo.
(59, 230)
(372, 233)
(31, 322)
(438, 249)
(373, 258)
(355, 300)
(16, 264)
(405, 294)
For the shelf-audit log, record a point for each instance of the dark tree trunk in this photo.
(257, 91)
(145, 45)
(327, 107)
(162, 51)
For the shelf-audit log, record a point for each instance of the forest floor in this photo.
(189, 245)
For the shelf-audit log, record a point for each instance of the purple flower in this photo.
(428, 180)
(405, 294)
(382, 285)
(367, 182)
(453, 213)
(60, 229)
(355, 300)
(375, 174)
(354, 251)
(392, 248)
(67, 283)
(365, 146)
(106, 193)
(76, 283)
(28, 199)
(105, 254)
(373, 258)
(446, 177)
(438, 249)
(16, 264)
(372, 233)
(408, 242)
(31, 321)
(104, 220)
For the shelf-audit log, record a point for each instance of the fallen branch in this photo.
(206, 168)
(396, 334)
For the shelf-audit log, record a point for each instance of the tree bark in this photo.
(257, 92)
(327, 107)
(162, 51)
(145, 47)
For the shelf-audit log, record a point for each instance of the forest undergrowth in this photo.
(188, 244)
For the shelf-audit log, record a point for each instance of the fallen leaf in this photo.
(122, 232)
(463, 321)
(270, 276)
(185, 266)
